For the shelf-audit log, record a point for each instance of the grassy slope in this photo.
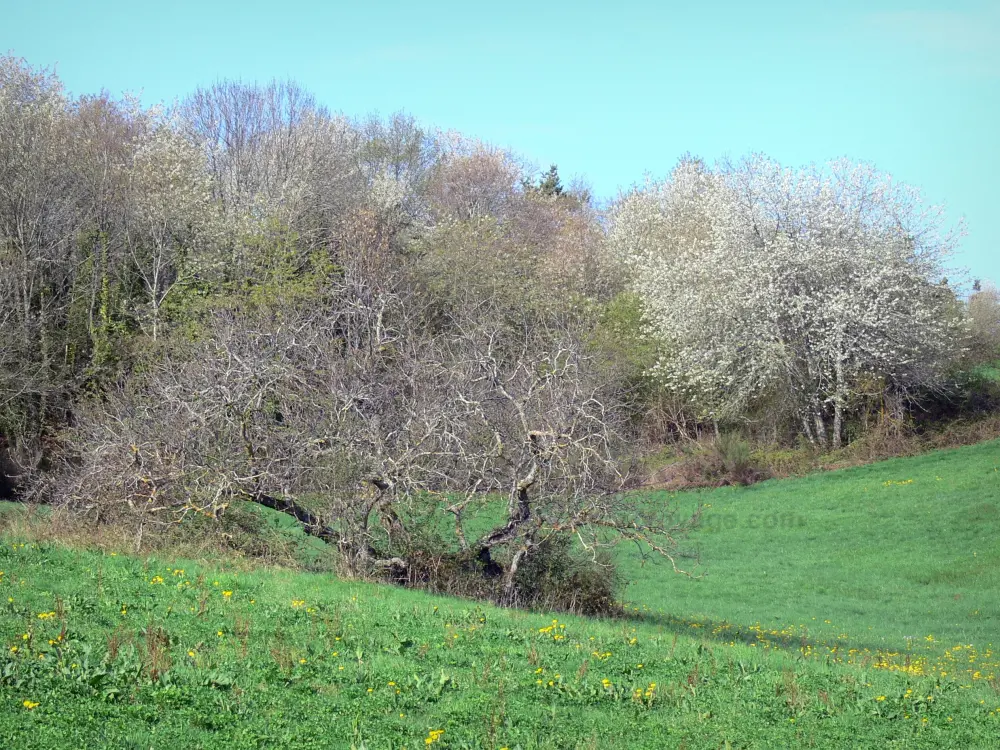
(304, 660)
(881, 562)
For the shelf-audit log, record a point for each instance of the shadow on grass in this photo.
(789, 638)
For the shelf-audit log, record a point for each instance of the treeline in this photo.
(371, 326)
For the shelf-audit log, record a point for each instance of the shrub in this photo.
(556, 575)
(560, 576)
(728, 460)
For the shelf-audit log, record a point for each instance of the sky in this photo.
(609, 91)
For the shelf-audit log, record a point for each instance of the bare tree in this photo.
(40, 213)
(473, 181)
(351, 414)
(275, 154)
(984, 316)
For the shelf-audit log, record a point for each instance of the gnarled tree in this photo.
(365, 417)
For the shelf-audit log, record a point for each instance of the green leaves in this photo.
(219, 680)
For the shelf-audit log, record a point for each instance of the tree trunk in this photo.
(807, 430)
(508, 579)
(838, 409)
(820, 425)
(841, 393)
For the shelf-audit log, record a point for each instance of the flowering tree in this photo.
(790, 287)
(170, 211)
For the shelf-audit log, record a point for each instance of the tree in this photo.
(275, 154)
(354, 411)
(170, 215)
(549, 185)
(473, 181)
(773, 288)
(984, 317)
(40, 213)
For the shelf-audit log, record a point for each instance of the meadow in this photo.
(890, 553)
(850, 608)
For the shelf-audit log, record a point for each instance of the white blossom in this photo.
(770, 285)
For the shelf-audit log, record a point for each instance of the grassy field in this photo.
(897, 553)
(852, 608)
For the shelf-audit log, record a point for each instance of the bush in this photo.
(726, 461)
(558, 576)
(975, 393)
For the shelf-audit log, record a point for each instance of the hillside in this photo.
(867, 619)
(894, 551)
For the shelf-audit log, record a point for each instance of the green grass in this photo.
(303, 660)
(889, 554)
(990, 372)
(126, 652)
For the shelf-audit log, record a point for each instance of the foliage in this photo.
(392, 335)
(557, 576)
(562, 578)
(731, 461)
(788, 293)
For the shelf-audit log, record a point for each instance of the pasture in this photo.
(845, 608)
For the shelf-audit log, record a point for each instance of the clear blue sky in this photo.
(607, 90)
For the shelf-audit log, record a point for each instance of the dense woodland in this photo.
(425, 351)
